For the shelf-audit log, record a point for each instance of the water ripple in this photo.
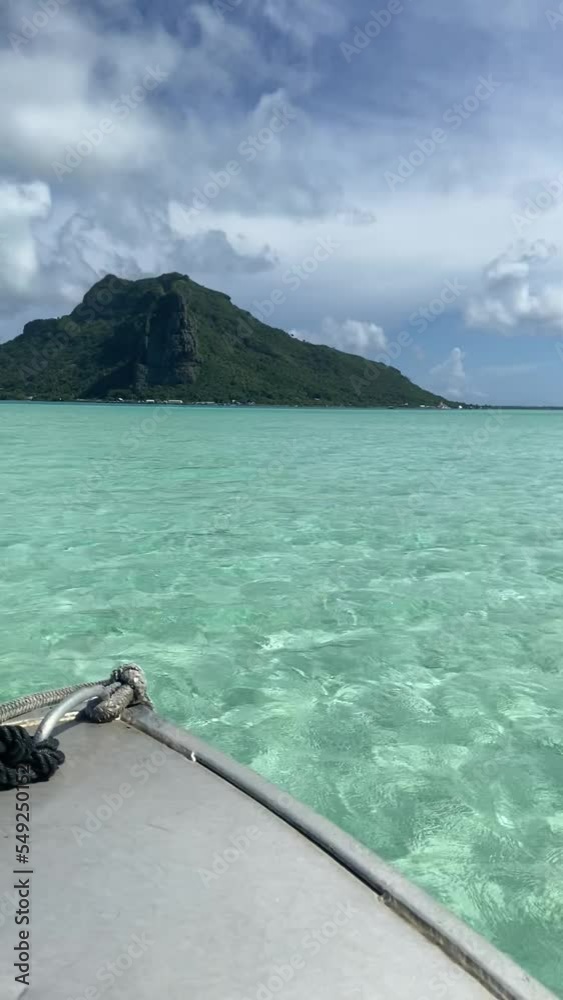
(363, 606)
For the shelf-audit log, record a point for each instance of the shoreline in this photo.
(278, 406)
(247, 406)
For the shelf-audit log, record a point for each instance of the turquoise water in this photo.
(364, 606)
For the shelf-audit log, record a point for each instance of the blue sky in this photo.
(417, 143)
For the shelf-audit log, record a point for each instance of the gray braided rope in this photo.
(126, 685)
(20, 706)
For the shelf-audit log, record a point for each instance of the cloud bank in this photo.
(225, 139)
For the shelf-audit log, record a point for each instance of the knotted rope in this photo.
(127, 686)
(25, 759)
(22, 761)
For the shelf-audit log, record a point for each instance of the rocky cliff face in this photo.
(166, 337)
(171, 355)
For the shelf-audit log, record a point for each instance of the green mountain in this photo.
(167, 337)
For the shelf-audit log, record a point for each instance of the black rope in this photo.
(22, 761)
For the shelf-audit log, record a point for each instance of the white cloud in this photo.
(321, 174)
(515, 296)
(450, 375)
(20, 206)
(123, 209)
(52, 94)
(353, 336)
(305, 22)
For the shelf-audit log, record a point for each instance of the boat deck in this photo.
(154, 877)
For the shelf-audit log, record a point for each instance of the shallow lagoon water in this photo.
(364, 606)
